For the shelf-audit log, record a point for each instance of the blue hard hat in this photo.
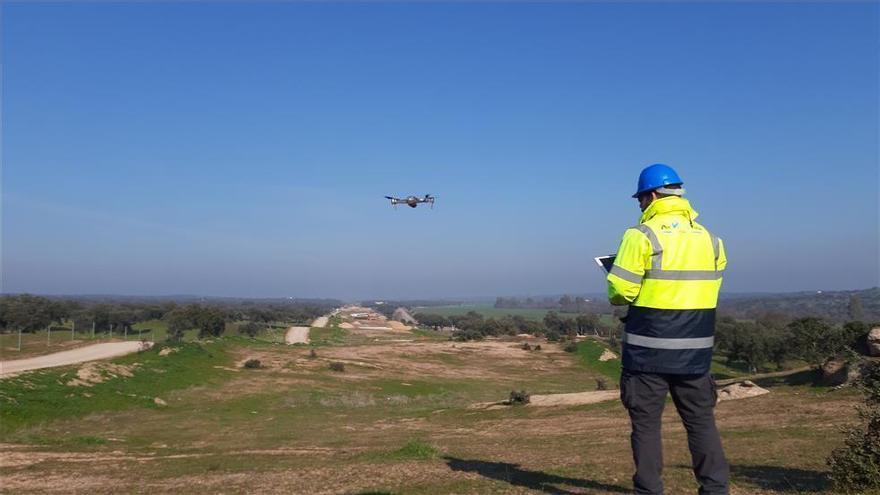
(657, 175)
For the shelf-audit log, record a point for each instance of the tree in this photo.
(553, 325)
(566, 304)
(29, 313)
(178, 320)
(211, 321)
(433, 320)
(815, 341)
(855, 467)
(251, 329)
(588, 323)
(855, 308)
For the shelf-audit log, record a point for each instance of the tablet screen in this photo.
(605, 262)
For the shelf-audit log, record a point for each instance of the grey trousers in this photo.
(644, 396)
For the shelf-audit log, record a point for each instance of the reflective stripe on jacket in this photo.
(669, 270)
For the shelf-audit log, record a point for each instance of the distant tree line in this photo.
(30, 313)
(474, 326)
(769, 340)
(836, 307)
(772, 340)
(565, 304)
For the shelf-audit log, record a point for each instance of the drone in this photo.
(411, 201)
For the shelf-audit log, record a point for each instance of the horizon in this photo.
(458, 300)
(243, 150)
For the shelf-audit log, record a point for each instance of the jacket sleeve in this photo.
(625, 278)
(722, 256)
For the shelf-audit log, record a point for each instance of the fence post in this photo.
(93, 330)
(72, 329)
(49, 334)
(19, 339)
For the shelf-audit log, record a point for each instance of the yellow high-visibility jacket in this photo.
(669, 270)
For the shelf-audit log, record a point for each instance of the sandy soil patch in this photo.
(347, 326)
(373, 327)
(607, 355)
(297, 335)
(93, 352)
(573, 399)
(320, 322)
(398, 326)
(742, 390)
(92, 373)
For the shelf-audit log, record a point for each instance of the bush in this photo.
(601, 383)
(855, 467)
(253, 364)
(337, 366)
(538, 347)
(570, 346)
(526, 347)
(519, 398)
(815, 341)
(251, 329)
(313, 354)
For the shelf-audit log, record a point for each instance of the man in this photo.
(668, 270)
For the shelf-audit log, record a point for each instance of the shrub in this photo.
(815, 341)
(253, 364)
(526, 347)
(538, 347)
(570, 346)
(313, 354)
(601, 383)
(520, 397)
(337, 366)
(251, 329)
(855, 467)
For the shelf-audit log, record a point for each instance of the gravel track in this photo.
(93, 352)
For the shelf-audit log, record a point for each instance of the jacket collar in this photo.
(670, 205)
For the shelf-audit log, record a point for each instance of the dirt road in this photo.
(297, 335)
(94, 352)
(320, 322)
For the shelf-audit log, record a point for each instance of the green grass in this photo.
(429, 334)
(415, 450)
(589, 352)
(43, 396)
(722, 371)
(334, 335)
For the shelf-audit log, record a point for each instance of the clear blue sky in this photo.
(244, 149)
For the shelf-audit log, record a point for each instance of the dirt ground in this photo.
(398, 420)
(297, 335)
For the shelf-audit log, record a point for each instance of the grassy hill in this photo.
(398, 419)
